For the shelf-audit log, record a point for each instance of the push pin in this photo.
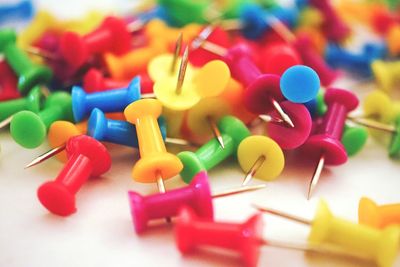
(109, 101)
(233, 131)
(386, 74)
(111, 36)
(8, 83)
(86, 157)
(369, 213)
(245, 238)
(94, 81)
(197, 195)
(155, 163)
(381, 246)
(32, 102)
(377, 105)
(326, 139)
(23, 10)
(245, 71)
(261, 157)
(29, 129)
(29, 74)
(354, 139)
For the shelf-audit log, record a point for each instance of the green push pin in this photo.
(233, 131)
(29, 74)
(321, 106)
(31, 102)
(394, 148)
(29, 129)
(354, 139)
(183, 12)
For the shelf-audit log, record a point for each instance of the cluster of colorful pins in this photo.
(142, 82)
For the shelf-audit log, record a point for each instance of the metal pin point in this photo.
(177, 141)
(238, 190)
(177, 51)
(161, 189)
(41, 53)
(5, 122)
(316, 176)
(373, 124)
(182, 71)
(281, 113)
(215, 131)
(45, 156)
(283, 215)
(270, 119)
(257, 164)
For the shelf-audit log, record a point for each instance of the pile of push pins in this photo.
(204, 76)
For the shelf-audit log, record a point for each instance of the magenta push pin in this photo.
(86, 157)
(326, 139)
(197, 195)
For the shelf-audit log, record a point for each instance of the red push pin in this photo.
(326, 139)
(245, 238)
(111, 36)
(8, 82)
(94, 81)
(197, 195)
(86, 157)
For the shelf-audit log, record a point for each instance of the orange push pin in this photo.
(393, 40)
(380, 246)
(378, 216)
(155, 163)
(261, 157)
(386, 74)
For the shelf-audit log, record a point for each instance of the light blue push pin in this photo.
(23, 10)
(116, 131)
(300, 84)
(108, 101)
(257, 21)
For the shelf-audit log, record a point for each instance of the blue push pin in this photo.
(22, 10)
(108, 101)
(257, 21)
(300, 84)
(359, 63)
(115, 131)
(158, 12)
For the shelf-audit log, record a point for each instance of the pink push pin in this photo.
(245, 71)
(334, 28)
(94, 81)
(245, 238)
(311, 58)
(86, 157)
(111, 36)
(291, 138)
(166, 205)
(8, 82)
(326, 139)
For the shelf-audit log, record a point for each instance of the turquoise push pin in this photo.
(115, 100)
(300, 84)
(29, 74)
(116, 131)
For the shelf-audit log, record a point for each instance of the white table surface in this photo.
(101, 232)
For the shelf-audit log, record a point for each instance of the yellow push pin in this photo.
(386, 74)
(369, 213)
(377, 105)
(261, 157)
(381, 246)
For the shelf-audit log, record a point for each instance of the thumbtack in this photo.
(326, 140)
(177, 51)
(260, 157)
(155, 163)
(87, 157)
(197, 195)
(29, 129)
(381, 246)
(182, 71)
(386, 74)
(209, 155)
(108, 101)
(22, 10)
(193, 231)
(29, 74)
(369, 213)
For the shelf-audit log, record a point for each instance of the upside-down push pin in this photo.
(192, 231)
(326, 140)
(197, 195)
(369, 213)
(87, 157)
(155, 163)
(380, 246)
